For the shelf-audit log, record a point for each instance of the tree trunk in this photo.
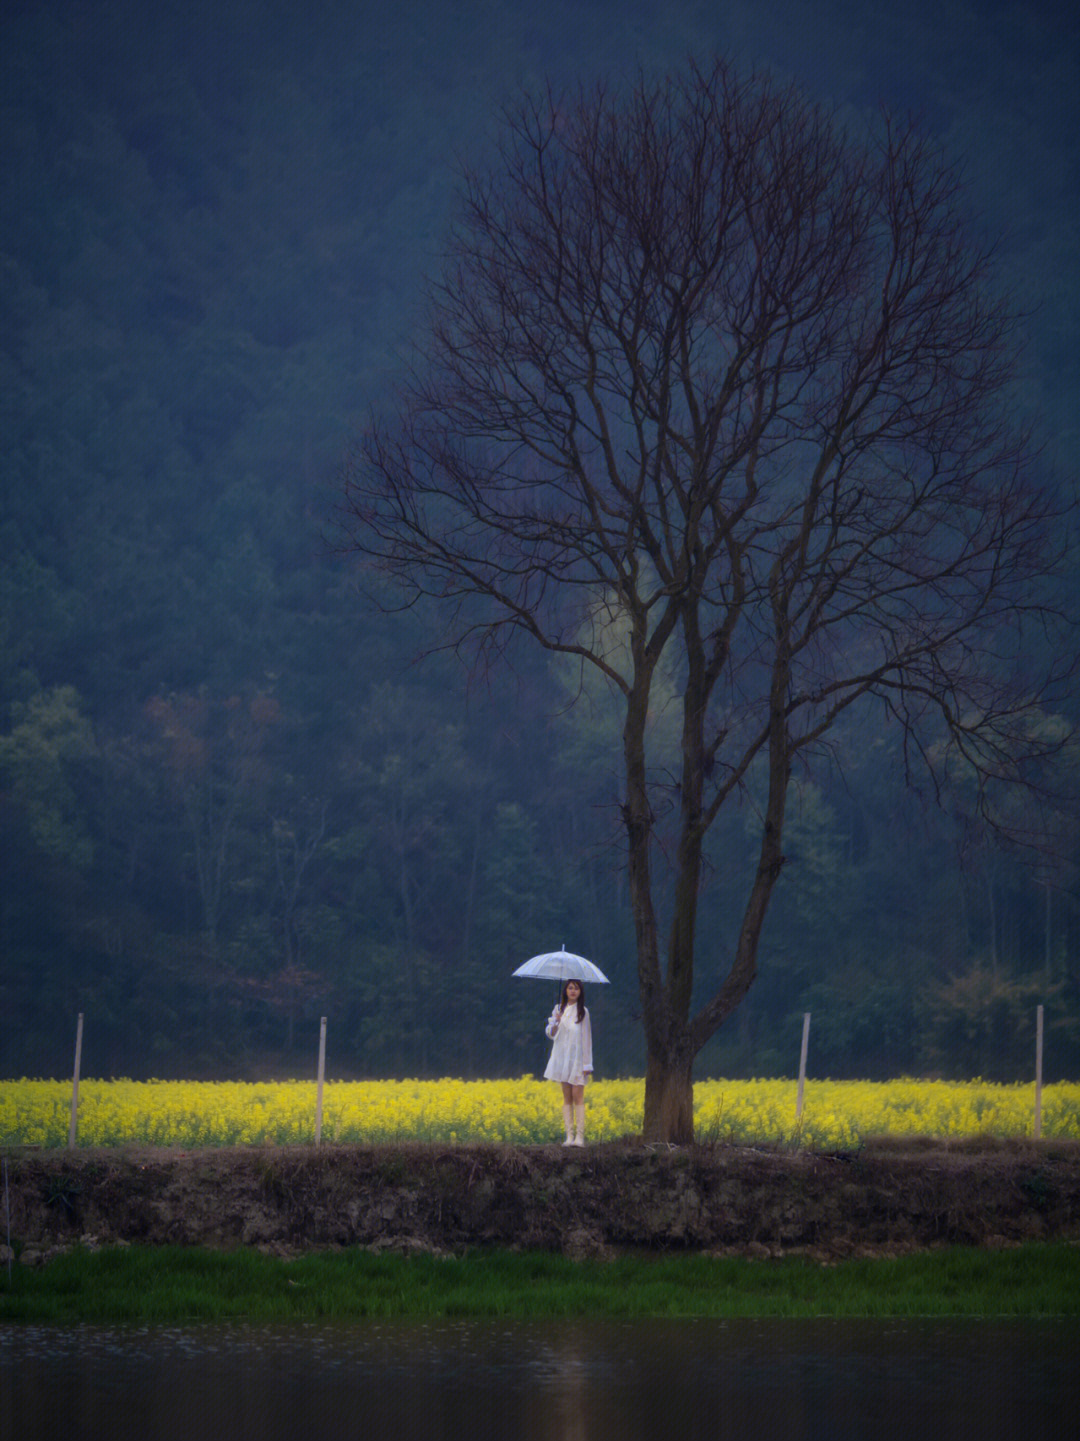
(669, 1101)
(638, 820)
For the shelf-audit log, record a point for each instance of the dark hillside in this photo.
(230, 801)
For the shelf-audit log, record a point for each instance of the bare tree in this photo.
(707, 373)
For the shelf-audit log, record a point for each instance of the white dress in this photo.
(571, 1055)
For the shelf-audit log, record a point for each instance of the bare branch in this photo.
(704, 362)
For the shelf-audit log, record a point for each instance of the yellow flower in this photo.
(525, 1111)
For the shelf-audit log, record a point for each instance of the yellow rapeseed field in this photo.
(836, 1114)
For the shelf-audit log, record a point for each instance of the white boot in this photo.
(579, 1138)
(567, 1116)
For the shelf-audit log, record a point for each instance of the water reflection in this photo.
(572, 1381)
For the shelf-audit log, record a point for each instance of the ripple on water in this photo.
(530, 1381)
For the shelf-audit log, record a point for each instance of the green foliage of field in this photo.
(174, 1285)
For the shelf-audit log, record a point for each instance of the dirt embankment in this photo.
(597, 1201)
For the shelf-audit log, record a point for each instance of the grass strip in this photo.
(173, 1285)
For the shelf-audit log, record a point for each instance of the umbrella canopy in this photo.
(562, 965)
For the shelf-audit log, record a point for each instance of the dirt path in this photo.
(597, 1201)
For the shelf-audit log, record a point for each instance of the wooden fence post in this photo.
(7, 1221)
(74, 1123)
(802, 1065)
(319, 1087)
(1038, 1070)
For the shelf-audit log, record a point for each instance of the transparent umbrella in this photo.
(562, 965)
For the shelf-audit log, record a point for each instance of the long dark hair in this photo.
(580, 999)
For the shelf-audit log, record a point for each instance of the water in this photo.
(565, 1381)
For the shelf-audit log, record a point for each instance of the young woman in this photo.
(570, 1062)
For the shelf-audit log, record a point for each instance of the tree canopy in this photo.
(706, 365)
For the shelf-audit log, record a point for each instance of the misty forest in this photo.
(241, 785)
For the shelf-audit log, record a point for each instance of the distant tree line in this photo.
(207, 881)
